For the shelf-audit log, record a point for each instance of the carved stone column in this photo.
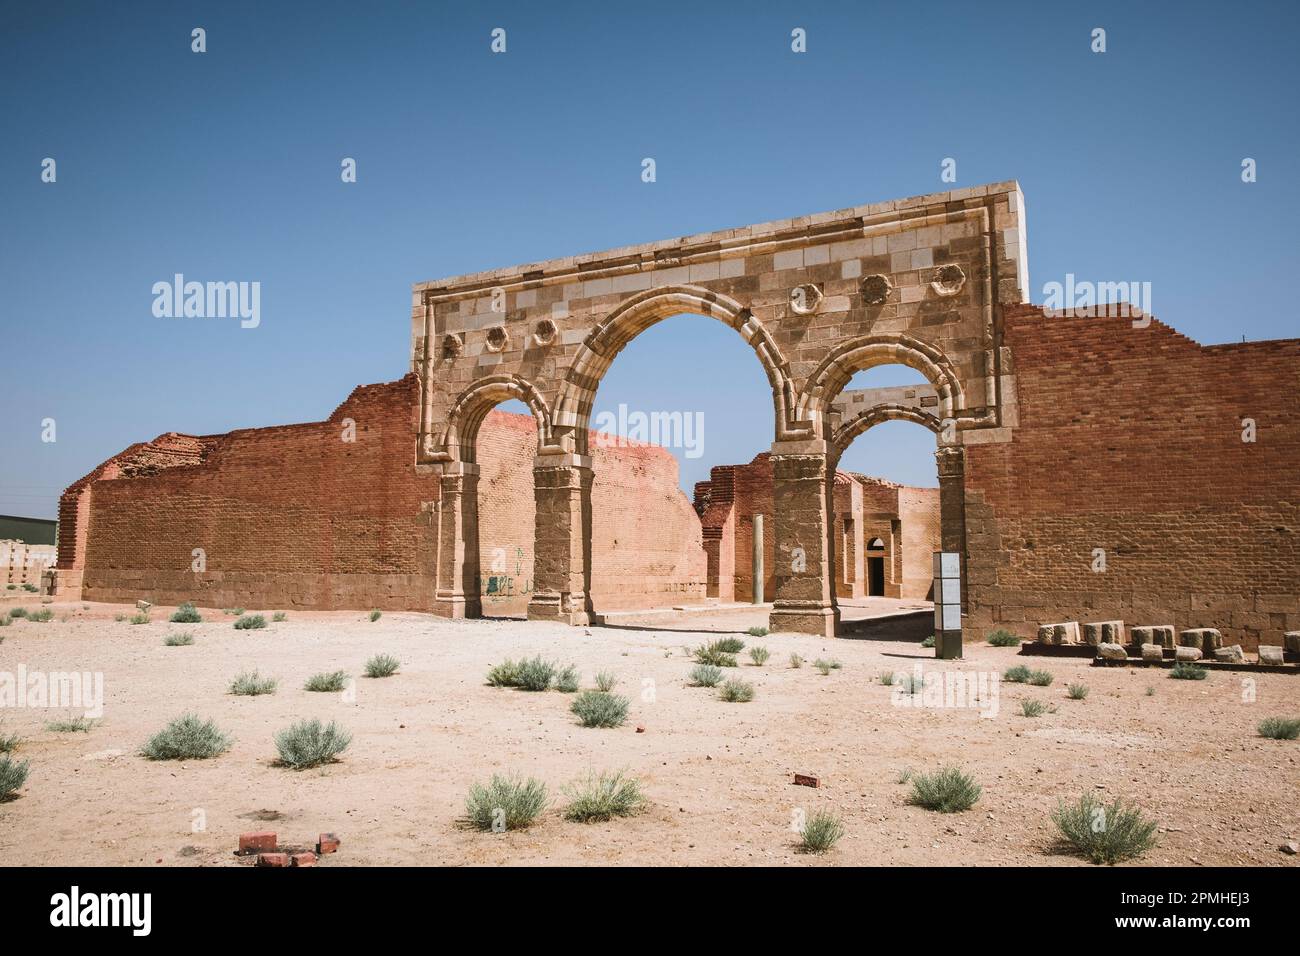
(951, 460)
(802, 477)
(457, 594)
(562, 540)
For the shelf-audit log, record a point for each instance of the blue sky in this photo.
(225, 166)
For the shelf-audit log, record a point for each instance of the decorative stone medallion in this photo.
(544, 332)
(452, 346)
(876, 289)
(497, 338)
(948, 280)
(804, 299)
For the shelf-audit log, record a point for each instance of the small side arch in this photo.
(467, 413)
(859, 423)
(857, 355)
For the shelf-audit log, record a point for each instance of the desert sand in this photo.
(718, 775)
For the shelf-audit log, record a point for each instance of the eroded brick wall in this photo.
(1130, 441)
(294, 516)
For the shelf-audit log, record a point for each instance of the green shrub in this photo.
(1032, 708)
(796, 661)
(714, 655)
(505, 674)
(596, 708)
(8, 742)
(45, 615)
(140, 617)
(821, 831)
(1275, 728)
(1184, 670)
(119, 618)
(1003, 638)
(375, 615)
(251, 684)
(1104, 833)
(506, 803)
(71, 725)
(309, 743)
(706, 675)
(1017, 675)
(250, 622)
(535, 674)
(605, 681)
(326, 682)
(887, 678)
(186, 614)
(946, 791)
(278, 617)
(30, 588)
(1077, 691)
(382, 665)
(759, 655)
(910, 683)
(737, 692)
(1151, 692)
(5, 620)
(566, 681)
(824, 667)
(18, 612)
(600, 797)
(186, 738)
(1040, 678)
(233, 611)
(179, 640)
(928, 642)
(731, 645)
(756, 632)
(13, 774)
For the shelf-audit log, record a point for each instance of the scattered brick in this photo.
(273, 859)
(260, 842)
(804, 780)
(327, 843)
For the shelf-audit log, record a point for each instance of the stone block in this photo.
(1271, 654)
(1187, 654)
(1208, 639)
(1162, 634)
(1232, 655)
(1112, 652)
(1065, 633)
(1104, 632)
(1291, 641)
(1153, 652)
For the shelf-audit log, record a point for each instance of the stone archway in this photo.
(919, 281)
(457, 589)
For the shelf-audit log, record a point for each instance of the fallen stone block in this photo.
(260, 842)
(1232, 655)
(1153, 652)
(1187, 654)
(305, 858)
(804, 780)
(1065, 633)
(327, 843)
(1208, 639)
(1291, 641)
(1271, 654)
(1112, 652)
(273, 859)
(1162, 634)
(1104, 632)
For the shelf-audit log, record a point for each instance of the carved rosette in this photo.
(497, 338)
(452, 346)
(948, 280)
(876, 289)
(804, 299)
(544, 332)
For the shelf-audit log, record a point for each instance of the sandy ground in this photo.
(718, 775)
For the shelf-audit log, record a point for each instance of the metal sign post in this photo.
(947, 605)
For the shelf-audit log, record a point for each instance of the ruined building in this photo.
(1090, 466)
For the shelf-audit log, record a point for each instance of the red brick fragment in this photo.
(306, 858)
(327, 843)
(273, 859)
(260, 842)
(803, 780)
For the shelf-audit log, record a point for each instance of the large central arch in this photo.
(919, 282)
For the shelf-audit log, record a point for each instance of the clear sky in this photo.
(225, 166)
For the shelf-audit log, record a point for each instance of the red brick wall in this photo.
(293, 516)
(1129, 440)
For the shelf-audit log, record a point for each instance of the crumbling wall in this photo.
(1127, 491)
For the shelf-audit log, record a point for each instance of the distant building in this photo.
(27, 548)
